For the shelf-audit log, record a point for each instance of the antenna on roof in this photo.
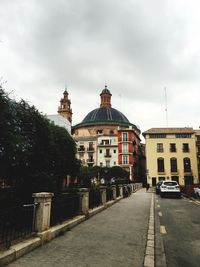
(166, 111)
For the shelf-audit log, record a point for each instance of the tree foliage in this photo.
(35, 154)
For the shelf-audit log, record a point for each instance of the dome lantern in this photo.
(105, 97)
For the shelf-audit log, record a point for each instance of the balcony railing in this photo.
(90, 160)
(187, 172)
(81, 149)
(174, 172)
(107, 155)
(161, 172)
(90, 149)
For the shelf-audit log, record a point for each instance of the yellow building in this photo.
(171, 154)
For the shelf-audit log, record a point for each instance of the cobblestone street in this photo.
(115, 237)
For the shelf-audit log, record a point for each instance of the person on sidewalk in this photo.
(147, 187)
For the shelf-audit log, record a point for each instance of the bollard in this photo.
(84, 200)
(114, 191)
(43, 211)
(103, 194)
(120, 190)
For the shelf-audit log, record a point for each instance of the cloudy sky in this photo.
(136, 47)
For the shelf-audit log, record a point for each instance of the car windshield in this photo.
(170, 183)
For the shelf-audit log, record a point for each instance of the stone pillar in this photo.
(120, 190)
(84, 200)
(43, 210)
(114, 191)
(103, 194)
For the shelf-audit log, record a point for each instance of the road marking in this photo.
(163, 229)
(195, 202)
(160, 213)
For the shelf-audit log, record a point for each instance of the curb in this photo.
(149, 259)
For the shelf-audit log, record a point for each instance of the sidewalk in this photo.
(115, 237)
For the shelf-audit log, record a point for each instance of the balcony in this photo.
(174, 172)
(90, 149)
(187, 172)
(107, 155)
(81, 149)
(90, 161)
(161, 172)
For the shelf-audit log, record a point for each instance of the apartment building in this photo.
(171, 153)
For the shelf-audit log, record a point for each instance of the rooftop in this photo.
(169, 130)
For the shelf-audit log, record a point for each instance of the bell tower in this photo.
(65, 107)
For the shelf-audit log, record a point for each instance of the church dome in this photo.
(105, 114)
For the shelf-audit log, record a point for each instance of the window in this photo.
(159, 147)
(101, 164)
(105, 142)
(185, 147)
(160, 165)
(107, 153)
(183, 135)
(124, 159)
(187, 165)
(100, 151)
(114, 162)
(100, 131)
(124, 148)
(161, 178)
(172, 147)
(175, 178)
(173, 164)
(107, 163)
(157, 136)
(114, 151)
(125, 137)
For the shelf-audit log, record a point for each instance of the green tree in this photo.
(35, 154)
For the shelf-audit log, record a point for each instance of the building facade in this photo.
(171, 154)
(106, 138)
(197, 134)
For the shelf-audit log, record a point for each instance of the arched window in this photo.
(160, 164)
(173, 164)
(187, 165)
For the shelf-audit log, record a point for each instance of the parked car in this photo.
(197, 192)
(170, 188)
(158, 187)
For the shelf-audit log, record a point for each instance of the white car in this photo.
(197, 192)
(170, 188)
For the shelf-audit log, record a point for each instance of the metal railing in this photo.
(109, 194)
(64, 207)
(16, 222)
(94, 198)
